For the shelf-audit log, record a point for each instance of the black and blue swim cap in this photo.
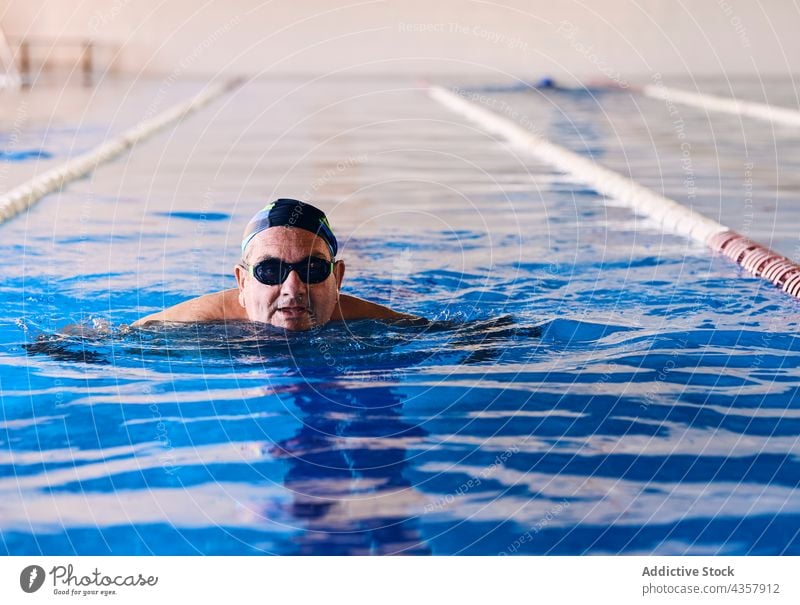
(291, 213)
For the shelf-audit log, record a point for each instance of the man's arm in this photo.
(224, 306)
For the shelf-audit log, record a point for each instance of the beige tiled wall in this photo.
(608, 38)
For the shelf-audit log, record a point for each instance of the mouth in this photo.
(294, 312)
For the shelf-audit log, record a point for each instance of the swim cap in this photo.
(291, 213)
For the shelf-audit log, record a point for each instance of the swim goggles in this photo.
(274, 271)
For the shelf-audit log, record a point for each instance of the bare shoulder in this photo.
(352, 307)
(224, 306)
(217, 306)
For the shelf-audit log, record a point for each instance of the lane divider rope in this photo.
(671, 215)
(24, 196)
(761, 111)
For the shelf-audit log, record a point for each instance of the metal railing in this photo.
(84, 50)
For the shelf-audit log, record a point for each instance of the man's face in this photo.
(293, 305)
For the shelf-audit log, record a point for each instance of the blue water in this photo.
(587, 385)
(24, 155)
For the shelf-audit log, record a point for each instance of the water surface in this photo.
(588, 386)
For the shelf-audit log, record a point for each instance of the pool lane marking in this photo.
(761, 111)
(24, 196)
(672, 216)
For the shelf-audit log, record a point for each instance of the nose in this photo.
(294, 287)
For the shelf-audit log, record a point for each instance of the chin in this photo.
(293, 326)
(294, 323)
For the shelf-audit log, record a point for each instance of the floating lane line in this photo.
(761, 111)
(24, 196)
(672, 216)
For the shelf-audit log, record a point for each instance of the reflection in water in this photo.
(346, 474)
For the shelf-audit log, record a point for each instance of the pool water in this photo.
(587, 385)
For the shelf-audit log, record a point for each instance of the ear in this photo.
(338, 273)
(241, 275)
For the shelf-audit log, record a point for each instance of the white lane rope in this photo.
(24, 196)
(761, 111)
(671, 215)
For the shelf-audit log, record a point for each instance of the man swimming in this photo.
(288, 277)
